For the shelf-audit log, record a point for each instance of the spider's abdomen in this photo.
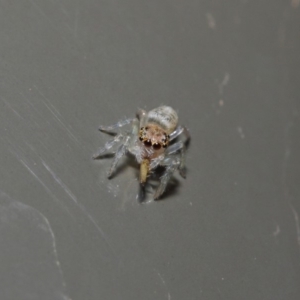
(165, 116)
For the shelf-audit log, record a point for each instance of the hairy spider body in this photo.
(151, 142)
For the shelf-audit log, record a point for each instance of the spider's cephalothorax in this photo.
(154, 136)
(151, 141)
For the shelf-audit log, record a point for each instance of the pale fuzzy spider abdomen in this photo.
(164, 116)
(151, 141)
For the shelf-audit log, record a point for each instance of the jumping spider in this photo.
(151, 141)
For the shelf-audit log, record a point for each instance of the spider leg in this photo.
(142, 115)
(134, 133)
(171, 164)
(182, 169)
(180, 146)
(174, 148)
(156, 161)
(108, 145)
(112, 128)
(178, 131)
(119, 154)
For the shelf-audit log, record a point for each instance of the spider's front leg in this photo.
(127, 142)
(174, 159)
(118, 137)
(171, 163)
(121, 138)
(180, 149)
(119, 154)
(108, 145)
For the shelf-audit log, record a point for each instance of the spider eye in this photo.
(140, 138)
(147, 143)
(156, 146)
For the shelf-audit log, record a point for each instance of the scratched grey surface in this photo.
(231, 230)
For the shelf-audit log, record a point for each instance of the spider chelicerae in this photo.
(154, 139)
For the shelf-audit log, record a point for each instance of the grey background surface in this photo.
(231, 69)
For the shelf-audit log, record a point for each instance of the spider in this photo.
(152, 140)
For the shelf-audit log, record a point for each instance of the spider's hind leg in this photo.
(112, 128)
(180, 146)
